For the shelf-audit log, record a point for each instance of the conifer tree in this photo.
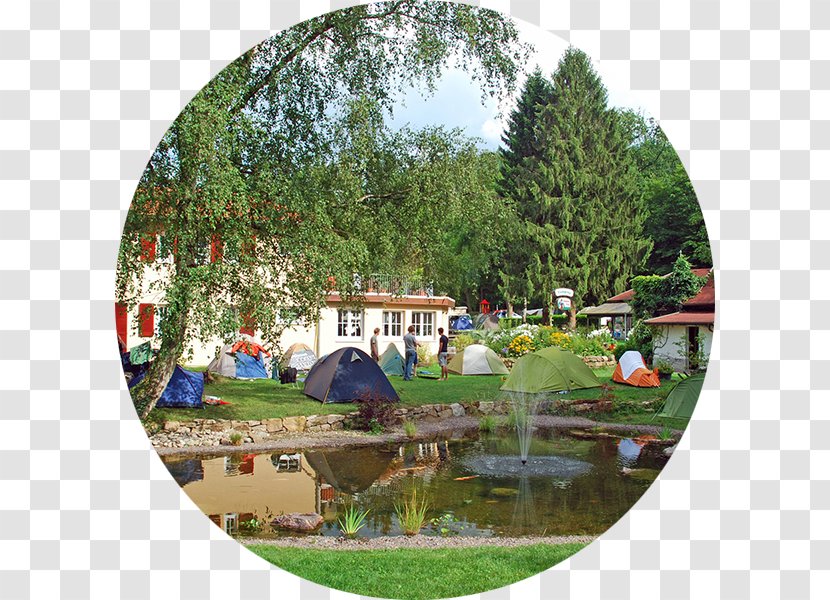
(576, 193)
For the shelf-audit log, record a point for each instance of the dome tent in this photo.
(681, 401)
(238, 361)
(477, 359)
(391, 362)
(184, 390)
(632, 370)
(298, 356)
(550, 370)
(347, 375)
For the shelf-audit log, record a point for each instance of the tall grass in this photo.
(353, 521)
(412, 515)
(410, 428)
(487, 423)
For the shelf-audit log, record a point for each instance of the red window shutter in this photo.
(216, 247)
(121, 322)
(148, 248)
(146, 320)
(248, 326)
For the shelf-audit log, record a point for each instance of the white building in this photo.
(336, 327)
(684, 338)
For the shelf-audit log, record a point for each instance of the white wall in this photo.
(672, 350)
(202, 354)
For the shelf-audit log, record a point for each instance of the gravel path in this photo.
(454, 426)
(416, 541)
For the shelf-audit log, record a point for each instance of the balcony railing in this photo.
(384, 283)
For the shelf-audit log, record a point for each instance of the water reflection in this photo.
(244, 492)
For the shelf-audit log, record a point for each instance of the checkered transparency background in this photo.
(743, 91)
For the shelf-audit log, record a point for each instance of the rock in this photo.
(317, 420)
(669, 451)
(294, 424)
(171, 426)
(337, 426)
(485, 407)
(273, 425)
(302, 522)
(240, 426)
(457, 410)
(445, 414)
(332, 419)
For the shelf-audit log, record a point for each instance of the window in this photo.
(423, 323)
(349, 323)
(392, 324)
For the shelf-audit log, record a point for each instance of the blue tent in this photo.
(250, 367)
(461, 323)
(184, 390)
(348, 375)
(238, 364)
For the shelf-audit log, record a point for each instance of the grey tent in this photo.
(391, 362)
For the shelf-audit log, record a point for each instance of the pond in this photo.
(476, 484)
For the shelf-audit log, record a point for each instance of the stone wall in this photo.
(598, 362)
(215, 432)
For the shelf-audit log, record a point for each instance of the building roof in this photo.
(628, 295)
(684, 318)
(705, 297)
(375, 299)
(609, 309)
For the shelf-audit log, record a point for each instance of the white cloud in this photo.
(492, 129)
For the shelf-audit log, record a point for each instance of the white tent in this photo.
(224, 363)
(477, 359)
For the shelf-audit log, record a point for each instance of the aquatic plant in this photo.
(353, 521)
(665, 434)
(487, 423)
(447, 525)
(412, 514)
(409, 428)
(235, 438)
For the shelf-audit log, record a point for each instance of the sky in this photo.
(457, 100)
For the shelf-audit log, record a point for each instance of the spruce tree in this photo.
(577, 191)
(519, 145)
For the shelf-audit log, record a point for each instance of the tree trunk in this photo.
(509, 309)
(572, 320)
(146, 393)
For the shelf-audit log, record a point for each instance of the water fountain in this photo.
(524, 409)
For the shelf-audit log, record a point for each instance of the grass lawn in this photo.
(266, 398)
(411, 574)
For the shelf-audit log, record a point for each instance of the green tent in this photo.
(550, 370)
(391, 362)
(681, 401)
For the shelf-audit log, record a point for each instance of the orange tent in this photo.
(632, 369)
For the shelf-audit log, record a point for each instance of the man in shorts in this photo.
(443, 342)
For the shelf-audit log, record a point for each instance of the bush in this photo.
(375, 412)
(510, 322)
(425, 355)
(534, 319)
(462, 341)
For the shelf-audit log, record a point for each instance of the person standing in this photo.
(443, 342)
(373, 345)
(411, 352)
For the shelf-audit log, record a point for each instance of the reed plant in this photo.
(353, 521)
(412, 514)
